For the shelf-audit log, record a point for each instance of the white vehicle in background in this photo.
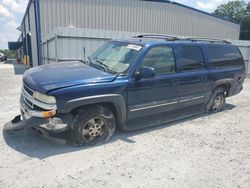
(2, 57)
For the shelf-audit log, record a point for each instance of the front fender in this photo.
(116, 99)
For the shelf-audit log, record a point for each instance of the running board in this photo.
(163, 118)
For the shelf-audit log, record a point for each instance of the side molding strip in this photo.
(194, 98)
(154, 106)
(166, 104)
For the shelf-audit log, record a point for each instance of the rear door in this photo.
(193, 76)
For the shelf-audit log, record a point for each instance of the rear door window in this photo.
(191, 58)
(224, 55)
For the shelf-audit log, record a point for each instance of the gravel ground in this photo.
(203, 151)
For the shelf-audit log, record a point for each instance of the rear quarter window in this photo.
(191, 58)
(224, 56)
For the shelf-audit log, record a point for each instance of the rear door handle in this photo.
(175, 81)
(203, 78)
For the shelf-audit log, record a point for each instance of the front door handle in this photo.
(203, 78)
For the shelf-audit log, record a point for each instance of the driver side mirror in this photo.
(145, 72)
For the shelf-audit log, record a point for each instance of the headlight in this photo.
(44, 98)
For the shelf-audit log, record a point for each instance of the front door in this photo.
(158, 94)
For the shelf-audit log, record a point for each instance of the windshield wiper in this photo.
(89, 60)
(104, 66)
(101, 65)
(82, 61)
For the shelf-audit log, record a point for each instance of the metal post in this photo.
(56, 54)
(47, 44)
(248, 59)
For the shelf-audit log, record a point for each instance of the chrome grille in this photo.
(28, 90)
(32, 103)
(27, 102)
(27, 94)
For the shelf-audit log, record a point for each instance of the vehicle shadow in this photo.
(30, 143)
(19, 69)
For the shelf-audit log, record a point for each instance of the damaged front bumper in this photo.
(32, 119)
(44, 127)
(46, 119)
(42, 117)
(53, 125)
(18, 124)
(52, 129)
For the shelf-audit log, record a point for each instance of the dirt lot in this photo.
(204, 151)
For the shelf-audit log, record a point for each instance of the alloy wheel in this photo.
(94, 129)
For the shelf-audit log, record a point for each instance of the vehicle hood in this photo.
(54, 76)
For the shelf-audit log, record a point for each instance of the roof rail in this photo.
(212, 40)
(167, 37)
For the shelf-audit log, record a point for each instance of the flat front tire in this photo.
(92, 125)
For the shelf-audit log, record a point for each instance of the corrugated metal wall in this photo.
(245, 50)
(133, 16)
(68, 43)
(33, 35)
(29, 26)
(65, 44)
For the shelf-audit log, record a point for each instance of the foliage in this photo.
(237, 11)
(9, 53)
(233, 10)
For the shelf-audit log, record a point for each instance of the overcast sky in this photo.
(11, 14)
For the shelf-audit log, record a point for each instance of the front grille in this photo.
(32, 103)
(27, 94)
(28, 90)
(28, 102)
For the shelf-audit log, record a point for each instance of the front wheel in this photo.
(217, 100)
(92, 126)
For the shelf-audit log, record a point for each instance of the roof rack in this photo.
(166, 37)
(193, 39)
(212, 40)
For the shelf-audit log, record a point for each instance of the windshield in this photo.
(115, 56)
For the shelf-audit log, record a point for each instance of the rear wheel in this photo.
(92, 126)
(217, 100)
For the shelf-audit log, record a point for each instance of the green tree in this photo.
(9, 53)
(233, 10)
(237, 11)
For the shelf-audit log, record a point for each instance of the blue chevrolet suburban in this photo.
(143, 81)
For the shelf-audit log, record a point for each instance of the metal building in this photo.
(59, 30)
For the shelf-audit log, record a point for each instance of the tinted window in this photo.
(191, 58)
(161, 59)
(224, 55)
